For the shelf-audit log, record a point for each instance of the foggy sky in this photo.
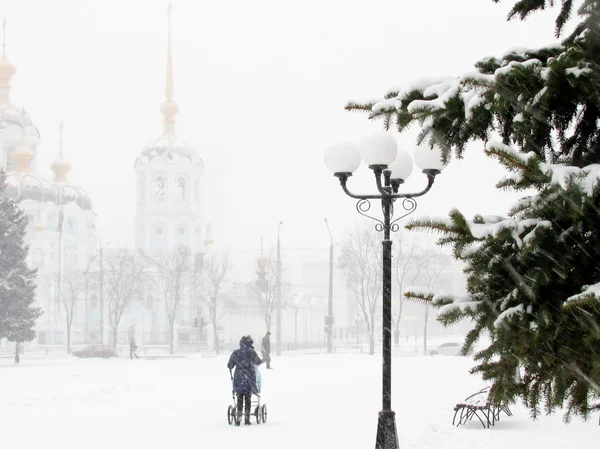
(261, 87)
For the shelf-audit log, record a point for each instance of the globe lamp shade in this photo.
(427, 158)
(378, 149)
(342, 158)
(402, 166)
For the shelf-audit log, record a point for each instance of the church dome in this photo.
(7, 70)
(10, 114)
(15, 124)
(67, 192)
(30, 186)
(170, 147)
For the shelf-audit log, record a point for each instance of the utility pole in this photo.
(198, 290)
(278, 330)
(329, 320)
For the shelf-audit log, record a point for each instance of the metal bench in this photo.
(479, 405)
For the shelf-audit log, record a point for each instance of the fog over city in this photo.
(181, 198)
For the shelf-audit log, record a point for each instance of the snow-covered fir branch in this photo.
(589, 294)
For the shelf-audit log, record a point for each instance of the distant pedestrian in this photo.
(244, 360)
(132, 348)
(266, 349)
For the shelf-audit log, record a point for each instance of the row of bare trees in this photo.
(361, 262)
(124, 276)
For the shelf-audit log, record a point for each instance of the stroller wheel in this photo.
(263, 413)
(230, 415)
(257, 414)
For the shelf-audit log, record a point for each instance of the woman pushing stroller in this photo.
(244, 360)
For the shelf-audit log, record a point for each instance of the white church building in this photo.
(65, 247)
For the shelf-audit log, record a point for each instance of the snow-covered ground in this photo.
(315, 401)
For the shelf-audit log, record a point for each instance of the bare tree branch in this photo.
(216, 266)
(124, 275)
(361, 261)
(73, 285)
(175, 271)
(406, 249)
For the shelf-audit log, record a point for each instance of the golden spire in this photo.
(169, 108)
(7, 70)
(23, 156)
(60, 166)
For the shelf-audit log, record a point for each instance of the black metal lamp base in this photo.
(387, 436)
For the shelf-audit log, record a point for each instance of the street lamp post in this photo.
(381, 154)
(101, 286)
(329, 319)
(199, 275)
(278, 286)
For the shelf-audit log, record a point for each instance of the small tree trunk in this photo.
(17, 356)
(68, 338)
(425, 330)
(172, 337)
(371, 340)
(115, 332)
(215, 335)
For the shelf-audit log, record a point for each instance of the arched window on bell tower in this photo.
(160, 189)
(181, 190)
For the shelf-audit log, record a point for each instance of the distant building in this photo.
(60, 234)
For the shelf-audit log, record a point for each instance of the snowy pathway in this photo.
(314, 402)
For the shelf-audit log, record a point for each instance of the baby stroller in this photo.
(260, 411)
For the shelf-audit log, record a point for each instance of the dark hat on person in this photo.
(246, 341)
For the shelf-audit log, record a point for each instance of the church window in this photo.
(71, 226)
(159, 190)
(182, 230)
(141, 190)
(159, 231)
(181, 190)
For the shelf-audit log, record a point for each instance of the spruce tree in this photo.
(533, 276)
(17, 280)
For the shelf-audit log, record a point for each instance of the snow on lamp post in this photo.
(391, 167)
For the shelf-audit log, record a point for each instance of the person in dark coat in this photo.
(266, 349)
(244, 378)
(132, 348)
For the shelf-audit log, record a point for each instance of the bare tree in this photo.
(72, 287)
(124, 275)
(216, 266)
(361, 261)
(174, 272)
(404, 258)
(430, 269)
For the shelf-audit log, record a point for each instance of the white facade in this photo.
(168, 209)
